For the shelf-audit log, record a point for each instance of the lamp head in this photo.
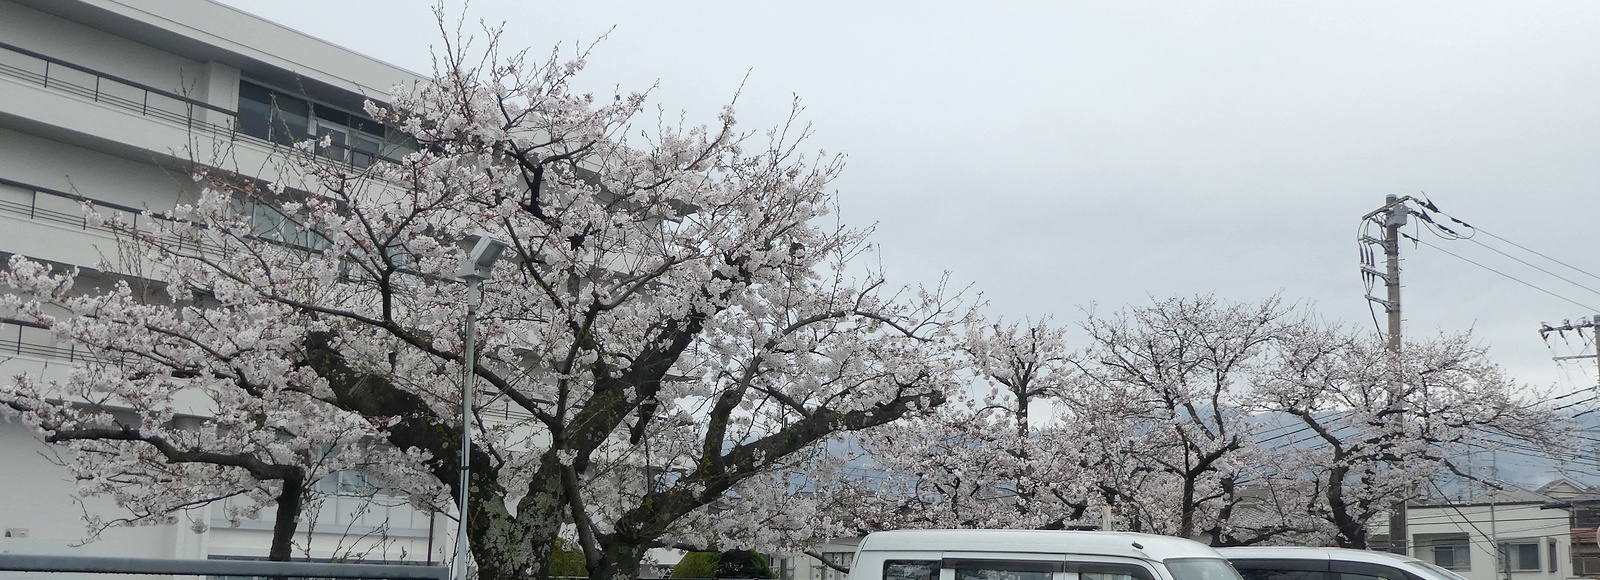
(485, 250)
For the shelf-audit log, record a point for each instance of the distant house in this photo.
(1584, 505)
(1509, 534)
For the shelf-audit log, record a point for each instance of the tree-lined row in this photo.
(685, 332)
(1241, 423)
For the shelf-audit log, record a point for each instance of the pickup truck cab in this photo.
(1034, 555)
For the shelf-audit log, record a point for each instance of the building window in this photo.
(1520, 556)
(1453, 556)
(287, 119)
(1554, 554)
(784, 567)
(347, 483)
(268, 222)
(272, 115)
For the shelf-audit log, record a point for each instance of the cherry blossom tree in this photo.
(133, 418)
(959, 466)
(1167, 379)
(1145, 422)
(985, 460)
(1243, 423)
(675, 320)
(1374, 427)
(1257, 422)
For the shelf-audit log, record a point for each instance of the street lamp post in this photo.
(485, 250)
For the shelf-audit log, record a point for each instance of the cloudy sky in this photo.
(1062, 156)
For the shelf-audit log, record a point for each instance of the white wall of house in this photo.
(1465, 538)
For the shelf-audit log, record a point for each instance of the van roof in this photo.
(1127, 544)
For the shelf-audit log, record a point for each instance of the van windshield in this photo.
(1201, 569)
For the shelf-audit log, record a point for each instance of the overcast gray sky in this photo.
(1063, 155)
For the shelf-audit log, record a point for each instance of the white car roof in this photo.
(1407, 563)
(1304, 553)
(1127, 544)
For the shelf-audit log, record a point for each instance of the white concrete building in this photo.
(108, 102)
(1509, 535)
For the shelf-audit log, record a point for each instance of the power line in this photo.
(1571, 405)
(1428, 206)
(1530, 265)
(1531, 251)
(1507, 276)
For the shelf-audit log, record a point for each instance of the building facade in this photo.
(111, 103)
(1510, 534)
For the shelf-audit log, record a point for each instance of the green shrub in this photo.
(697, 565)
(566, 561)
(743, 564)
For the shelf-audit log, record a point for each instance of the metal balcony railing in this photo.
(66, 209)
(53, 73)
(22, 338)
(74, 79)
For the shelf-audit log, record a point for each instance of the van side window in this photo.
(1282, 569)
(999, 573)
(981, 569)
(1365, 571)
(1110, 572)
(1267, 574)
(1201, 569)
(910, 570)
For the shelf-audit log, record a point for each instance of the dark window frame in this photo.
(1460, 554)
(291, 118)
(1518, 560)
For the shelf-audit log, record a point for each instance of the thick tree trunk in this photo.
(505, 550)
(1186, 517)
(503, 547)
(290, 499)
(523, 547)
(1352, 532)
(620, 561)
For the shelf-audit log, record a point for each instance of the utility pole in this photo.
(1502, 559)
(1592, 323)
(1393, 216)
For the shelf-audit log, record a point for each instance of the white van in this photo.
(1034, 555)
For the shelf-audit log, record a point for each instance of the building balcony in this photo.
(80, 82)
(186, 124)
